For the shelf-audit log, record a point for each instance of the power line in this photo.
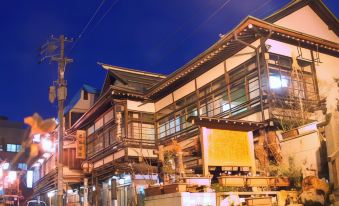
(197, 28)
(87, 25)
(269, 11)
(208, 19)
(260, 7)
(90, 21)
(104, 15)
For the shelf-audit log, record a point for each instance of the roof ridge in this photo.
(130, 70)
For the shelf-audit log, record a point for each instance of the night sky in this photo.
(156, 36)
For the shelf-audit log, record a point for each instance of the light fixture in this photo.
(12, 176)
(47, 145)
(5, 166)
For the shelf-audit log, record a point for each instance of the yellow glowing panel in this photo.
(227, 148)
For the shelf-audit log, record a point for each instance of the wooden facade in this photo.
(259, 77)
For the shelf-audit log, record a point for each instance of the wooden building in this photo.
(274, 73)
(121, 140)
(44, 163)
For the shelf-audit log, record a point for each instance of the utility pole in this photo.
(61, 97)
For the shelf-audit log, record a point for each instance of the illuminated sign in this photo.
(29, 179)
(12, 176)
(227, 148)
(80, 144)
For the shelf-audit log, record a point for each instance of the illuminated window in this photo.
(22, 166)
(29, 180)
(13, 148)
(277, 82)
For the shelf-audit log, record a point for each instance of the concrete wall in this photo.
(326, 72)
(303, 147)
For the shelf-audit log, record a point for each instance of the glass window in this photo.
(108, 116)
(148, 132)
(162, 129)
(22, 166)
(253, 87)
(112, 135)
(286, 81)
(147, 117)
(106, 138)
(99, 123)
(141, 131)
(13, 148)
(278, 82)
(90, 130)
(165, 111)
(206, 107)
(220, 100)
(219, 83)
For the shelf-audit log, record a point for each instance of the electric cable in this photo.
(87, 25)
(104, 15)
(194, 30)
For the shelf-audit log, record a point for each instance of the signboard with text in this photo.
(227, 148)
(80, 144)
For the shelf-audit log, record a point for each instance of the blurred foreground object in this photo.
(40, 126)
(315, 191)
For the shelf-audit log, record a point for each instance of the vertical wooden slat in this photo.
(197, 94)
(267, 72)
(227, 79)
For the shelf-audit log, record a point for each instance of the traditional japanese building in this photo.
(121, 140)
(43, 164)
(269, 82)
(297, 63)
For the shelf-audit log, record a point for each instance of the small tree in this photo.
(289, 170)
